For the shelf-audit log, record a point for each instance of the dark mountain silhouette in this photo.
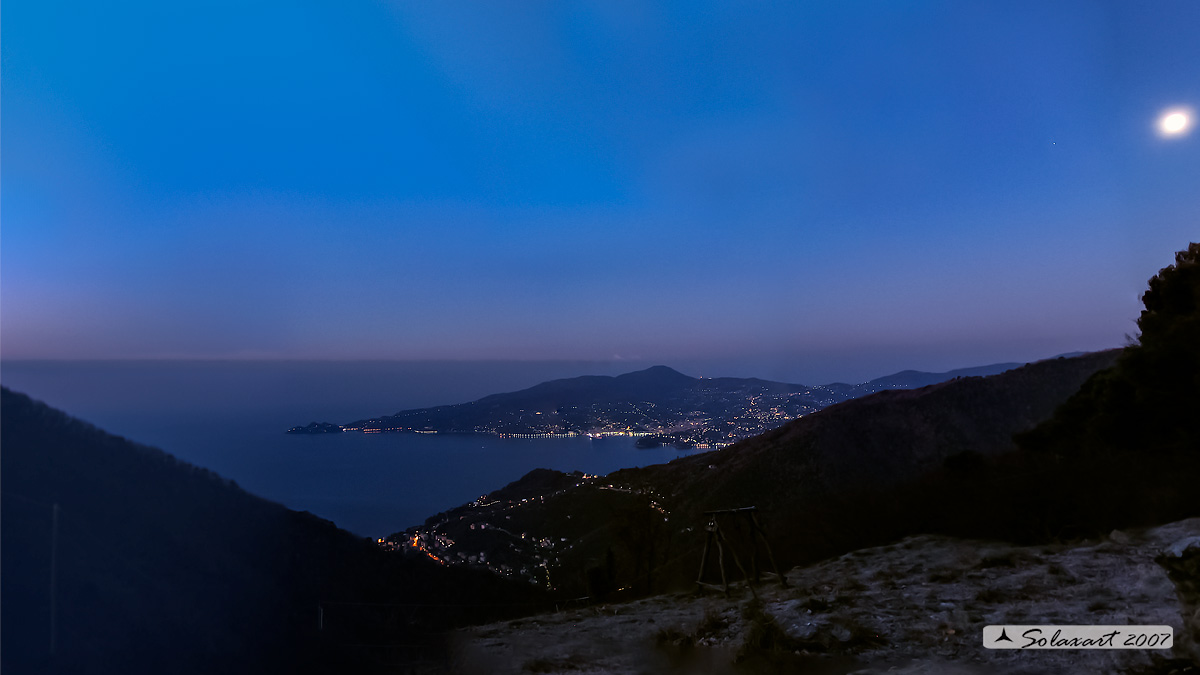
(674, 407)
(659, 400)
(159, 566)
(914, 379)
(654, 382)
(880, 439)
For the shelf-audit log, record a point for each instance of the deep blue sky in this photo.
(830, 191)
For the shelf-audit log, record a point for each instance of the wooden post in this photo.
(771, 556)
(721, 563)
(708, 537)
(754, 570)
(733, 552)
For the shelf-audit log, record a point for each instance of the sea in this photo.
(231, 417)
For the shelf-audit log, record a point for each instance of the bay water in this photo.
(230, 417)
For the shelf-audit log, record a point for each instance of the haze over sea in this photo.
(230, 417)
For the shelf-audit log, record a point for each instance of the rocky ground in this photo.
(916, 606)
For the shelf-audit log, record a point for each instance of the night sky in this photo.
(830, 191)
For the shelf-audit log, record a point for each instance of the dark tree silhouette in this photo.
(1145, 403)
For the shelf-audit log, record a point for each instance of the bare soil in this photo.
(916, 606)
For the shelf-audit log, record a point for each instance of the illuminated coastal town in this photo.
(658, 405)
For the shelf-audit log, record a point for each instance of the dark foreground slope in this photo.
(915, 607)
(158, 566)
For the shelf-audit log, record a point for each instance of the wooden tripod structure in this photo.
(714, 534)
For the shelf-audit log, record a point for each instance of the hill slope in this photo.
(845, 457)
(159, 566)
(879, 439)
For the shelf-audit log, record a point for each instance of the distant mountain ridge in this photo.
(913, 379)
(659, 402)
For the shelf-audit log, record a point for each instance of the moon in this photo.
(1175, 122)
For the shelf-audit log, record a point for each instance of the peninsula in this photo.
(658, 404)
